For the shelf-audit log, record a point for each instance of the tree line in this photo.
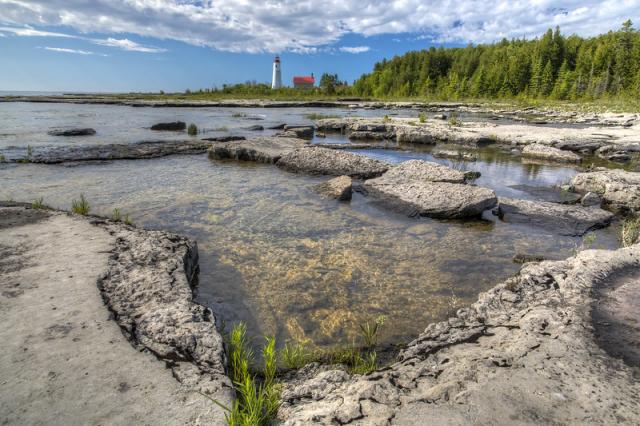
(553, 66)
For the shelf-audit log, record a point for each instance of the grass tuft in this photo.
(192, 130)
(81, 206)
(630, 231)
(454, 121)
(294, 356)
(3, 159)
(369, 331)
(115, 215)
(422, 117)
(38, 204)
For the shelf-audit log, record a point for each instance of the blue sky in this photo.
(172, 45)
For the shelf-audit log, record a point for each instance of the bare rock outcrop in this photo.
(262, 149)
(619, 189)
(565, 219)
(339, 188)
(545, 152)
(72, 132)
(324, 161)
(430, 189)
(174, 126)
(523, 353)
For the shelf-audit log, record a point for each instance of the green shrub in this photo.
(81, 206)
(192, 130)
(38, 204)
(422, 117)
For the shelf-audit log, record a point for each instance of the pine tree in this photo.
(546, 79)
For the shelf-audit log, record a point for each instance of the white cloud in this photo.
(306, 25)
(65, 50)
(126, 44)
(30, 32)
(354, 49)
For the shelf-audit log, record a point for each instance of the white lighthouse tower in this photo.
(276, 81)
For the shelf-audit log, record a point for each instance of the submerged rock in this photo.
(523, 258)
(572, 220)
(262, 150)
(73, 132)
(591, 199)
(302, 132)
(545, 152)
(338, 188)
(255, 128)
(455, 155)
(620, 190)
(175, 126)
(551, 194)
(430, 189)
(326, 161)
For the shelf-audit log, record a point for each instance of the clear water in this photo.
(275, 254)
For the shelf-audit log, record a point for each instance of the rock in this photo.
(584, 146)
(261, 150)
(173, 126)
(132, 151)
(326, 161)
(280, 126)
(225, 139)
(430, 189)
(414, 135)
(302, 132)
(73, 132)
(591, 199)
(545, 152)
(255, 128)
(551, 194)
(320, 135)
(470, 175)
(526, 258)
(573, 220)
(619, 189)
(338, 188)
(454, 155)
(368, 135)
(440, 116)
(523, 351)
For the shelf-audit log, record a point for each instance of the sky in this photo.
(174, 45)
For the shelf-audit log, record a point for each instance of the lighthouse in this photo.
(276, 81)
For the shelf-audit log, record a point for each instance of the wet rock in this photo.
(573, 220)
(545, 152)
(455, 155)
(255, 128)
(277, 126)
(619, 189)
(414, 135)
(523, 258)
(591, 199)
(73, 132)
(326, 161)
(582, 146)
(302, 132)
(134, 151)
(174, 126)
(440, 116)
(368, 135)
(430, 189)
(225, 139)
(618, 154)
(551, 194)
(338, 188)
(262, 150)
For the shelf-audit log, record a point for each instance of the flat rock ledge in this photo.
(549, 153)
(619, 189)
(262, 150)
(565, 219)
(148, 287)
(107, 152)
(430, 189)
(324, 161)
(524, 353)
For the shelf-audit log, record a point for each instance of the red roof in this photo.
(304, 79)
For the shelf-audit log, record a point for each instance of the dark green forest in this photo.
(550, 67)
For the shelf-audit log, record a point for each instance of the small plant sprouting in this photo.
(238, 115)
(38, 204)
(365, 364)
(369, 331)
(81, 206)
(29, 152)
(2, 159)
(386, 118)
(422, 117)
(454, 121)
(221, 129)
(294, 356)
(192, 130)
(115, 216)
(630, 231)
(127, 220)
(585, 244)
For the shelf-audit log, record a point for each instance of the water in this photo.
(275, 254)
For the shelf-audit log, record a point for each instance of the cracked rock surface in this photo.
(524, 353)
(619, 189)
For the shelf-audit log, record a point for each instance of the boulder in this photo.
(175, 126)
(571, 220)
(430, 189)
(619, 189)
(338, 188)
(591, 199)
(326, 161)
(262, 150)
(545, 152)
(72, 132)
(302, 132)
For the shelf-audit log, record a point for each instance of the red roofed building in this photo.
(304, 82)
